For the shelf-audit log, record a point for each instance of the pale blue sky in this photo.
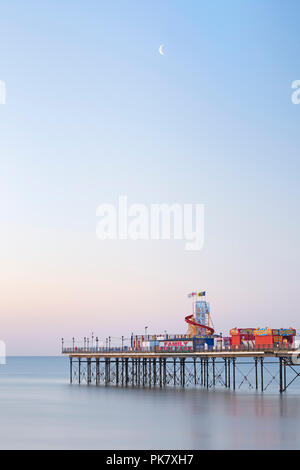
(94, 111)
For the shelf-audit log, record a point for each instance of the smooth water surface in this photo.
(41, 410)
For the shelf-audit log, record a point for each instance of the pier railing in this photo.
(175, 350)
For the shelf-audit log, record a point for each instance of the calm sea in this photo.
(39, 409)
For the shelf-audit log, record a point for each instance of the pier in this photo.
(253, 358)
(228, 368)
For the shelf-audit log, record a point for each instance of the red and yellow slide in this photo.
(194, 326)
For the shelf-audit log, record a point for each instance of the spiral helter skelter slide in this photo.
(191, 321)
(201, 312)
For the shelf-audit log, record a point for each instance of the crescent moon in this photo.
(160, 50)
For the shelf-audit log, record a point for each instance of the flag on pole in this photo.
(201, 294)
(192, 294)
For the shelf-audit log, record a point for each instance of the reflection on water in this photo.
(39, 409)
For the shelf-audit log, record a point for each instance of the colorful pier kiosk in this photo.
(263, 337)
(198, 357)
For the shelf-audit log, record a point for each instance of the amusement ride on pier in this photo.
(199, 321)
(165, 359)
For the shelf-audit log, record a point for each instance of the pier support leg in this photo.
(183, 372)
(117, 371)
(79, 370)
(160, 373)
(71, 370)
(214, 371)
(233, 372)
(180, 368)
(136, 371)
(106, 371)
(165, 373)
(195, 372)
(132, 372)
(97, 371)
(174, 371)
(207, 372)
(262, 373)
(89, 379)
(201, 371)
(126, 372)
(229, 360)
(150, 373)
(280, 375)
(256, 374)
(144, 371)
(225, 360)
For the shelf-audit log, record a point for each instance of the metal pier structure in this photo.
(229, 369)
